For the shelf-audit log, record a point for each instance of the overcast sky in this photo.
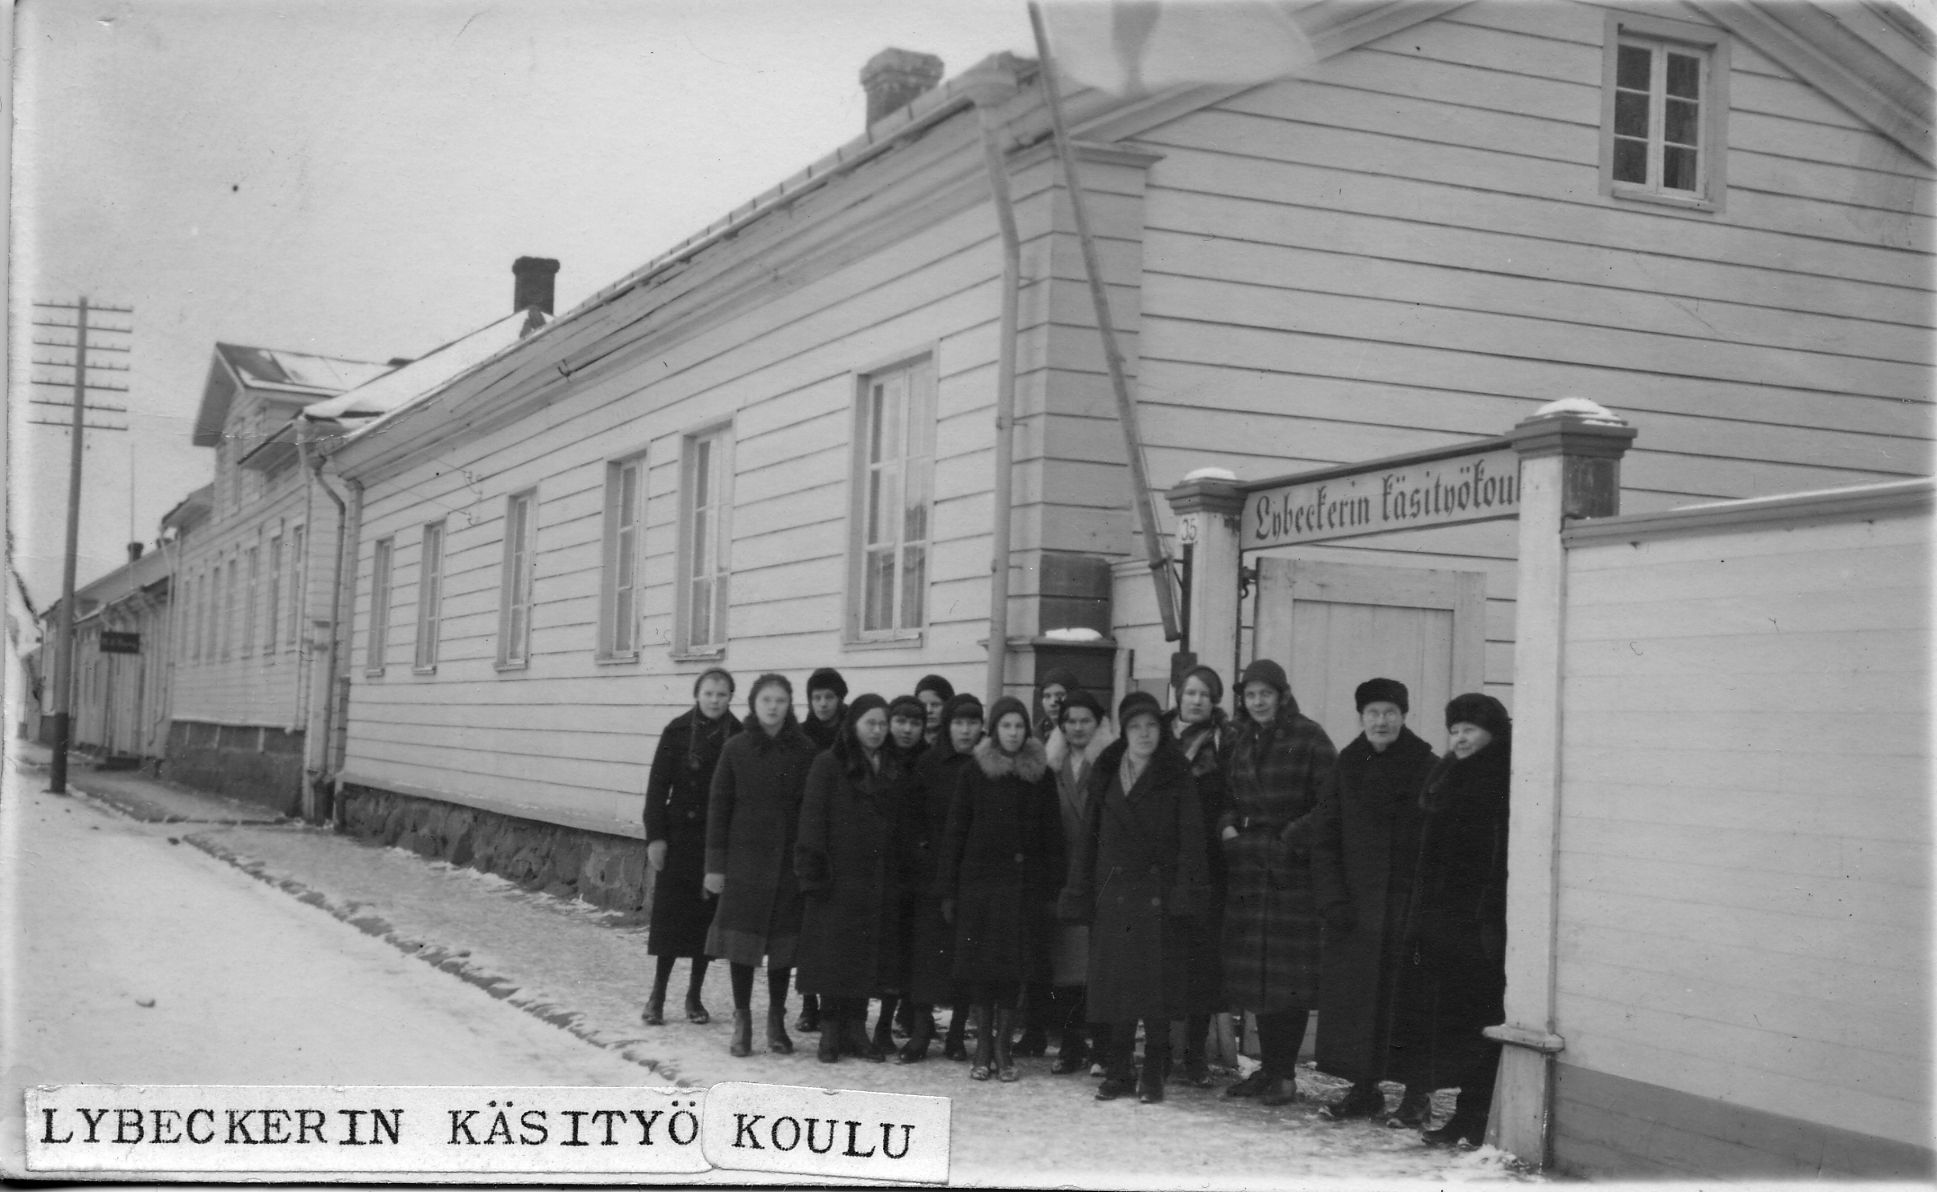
(354, 178)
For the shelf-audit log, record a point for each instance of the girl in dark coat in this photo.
(1002, 865)
(1456, 930)
(907, 741)
(933, 693)
(676, 796)
(1204, 735)
(850, 827)
(1279, 762)
(1138, 875)
(750, 831)
(931, 938)
(826, 706)
(1365, 841)
(1082, 734)
(1050, 694)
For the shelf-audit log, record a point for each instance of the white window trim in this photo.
(611, 582)
(516, 584)
(1713, 44)
(383, 555)
(922, 366)
(683, 645)
(430, 596)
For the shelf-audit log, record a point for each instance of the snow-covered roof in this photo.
(277, 368)
(391, 390)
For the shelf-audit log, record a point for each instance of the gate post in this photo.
(1208, 504)
(1570, 467)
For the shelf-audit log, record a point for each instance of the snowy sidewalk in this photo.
(576, 968)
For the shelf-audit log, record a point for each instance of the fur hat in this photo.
(961, 707)
(1265, 671)
(1138, 703)
(1211, 679)
(1482, 710)
(905, 706)
(827, 679)
(1375, 691)
(938, 685)
(1080, 698)
(1003, 707)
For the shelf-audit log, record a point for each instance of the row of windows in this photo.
(894, 483)
(245, 602)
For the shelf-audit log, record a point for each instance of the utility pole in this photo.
(79, 387)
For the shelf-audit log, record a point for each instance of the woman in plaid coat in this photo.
(1279, 762)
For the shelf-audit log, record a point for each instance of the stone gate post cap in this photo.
(1210, 474)
(1207, 490)
(1578, 407)
(1573, 426)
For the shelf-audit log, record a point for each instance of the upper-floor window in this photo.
(251, 591)
(379, 635)
(619, 592)
(1664, 111)
(514, 604)
(706, 481)
(227, 619)
(893, 501)
(430, 596)
(298, 575)
(272, 607)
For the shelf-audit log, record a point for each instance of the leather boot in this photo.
(1120, 1078)
(1156, 1057)
(915, 1050)
(1197, 1068)
(830, 1042)
(777, 1040)
(1466, 1130)
(810, 1014)
(742, 1044)
(696, 1013)
(984, 1042)
(1005, 1060)
(854, 1032)
(1415, 1109)
(655, 1012)
(1072, 1055)
(953, 1046)
(884, 1028)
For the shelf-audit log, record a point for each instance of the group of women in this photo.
(1047, 871)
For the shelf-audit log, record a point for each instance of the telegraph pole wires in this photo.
(79, 385)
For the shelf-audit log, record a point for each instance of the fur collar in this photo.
(1056, 750)
(1029, 765)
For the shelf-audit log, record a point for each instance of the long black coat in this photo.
(751, 824)
(1456, 925)
(846, 860)
(1208, 748)
(931, 938)
(1002, 863)
(677, 793)
(1365, 843)
(1138, 876)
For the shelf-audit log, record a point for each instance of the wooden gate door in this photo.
(1335, 625)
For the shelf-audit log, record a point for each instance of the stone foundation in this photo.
(605, 870)
(252, 762)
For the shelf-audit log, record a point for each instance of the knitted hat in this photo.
(938, 685)
(1003, 707)
(767, 680)
(1138, 703)
(1060, 676)
(1263, 670)
(1375, 691)
(905, 706)
(1210, 679)
(961, 707)
(1080, 698)
(1482, 710)
(713, 672)
(827, 679)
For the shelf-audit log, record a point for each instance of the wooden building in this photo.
(772, 448)
(119, 703)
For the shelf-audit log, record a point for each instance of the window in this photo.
(619, 595)
(706, 473)
(298, 572)
(227, 618)
(378, 641)
(251, 592)
(273, 606)
(514, 597)
(1664, 111)
(192, 624)
(430, 595)
(894, 497)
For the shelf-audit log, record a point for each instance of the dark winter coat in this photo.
(1271, 925)
(823, 733)
(677, 792)
(846, 860)
(751, 825)
(1455, 928)
(1069, 952)
(1003, 862)
(1365, 843)
(1208, 748)
(1138, 876)
(931, 938)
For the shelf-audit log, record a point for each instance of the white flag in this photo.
(1133, 47)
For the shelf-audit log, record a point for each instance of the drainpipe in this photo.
(986, 97)
(318, 763)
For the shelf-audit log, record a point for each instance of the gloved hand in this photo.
(715, 883)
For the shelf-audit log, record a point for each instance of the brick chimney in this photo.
(893, 77)
(533, 285)
(134, 551)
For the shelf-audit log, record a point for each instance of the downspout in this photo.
(986, 97)
(317, 746)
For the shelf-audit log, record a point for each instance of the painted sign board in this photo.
(116, 642)
(1378, 498)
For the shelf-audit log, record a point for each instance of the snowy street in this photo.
(229, 947)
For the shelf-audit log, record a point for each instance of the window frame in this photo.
(922, 399)
(719, 435)
(251, 592)
(516, 583)
(272, 631)
(1661, 35)
(615, 587)
(430, 597)
(377, 638)
(298, 574)
(225, 620)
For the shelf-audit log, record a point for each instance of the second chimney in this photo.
(134, 551)
(533, 283)
(894, 77)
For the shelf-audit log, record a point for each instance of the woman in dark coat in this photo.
(1279, 762)
(1204, 735)
(1002, 865)
(826, 706)
(676, 796)
(1365, 842)
(907, 741)
(1082, 734)
(750, 830)
(1138, 876)
(1456, 930)
(933, 692)
(1050, 694)
(931, 938)
(850, 828)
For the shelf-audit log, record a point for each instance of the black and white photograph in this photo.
(1172, 594)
